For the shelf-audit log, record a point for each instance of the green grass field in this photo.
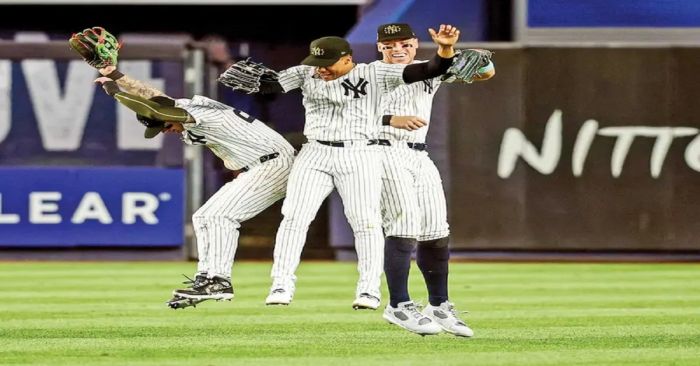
(522, 314)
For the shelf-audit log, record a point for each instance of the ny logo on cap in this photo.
(392, 29)
(317, 51)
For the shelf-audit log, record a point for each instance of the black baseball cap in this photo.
(326, 51)
(393, 31)
(154, 126)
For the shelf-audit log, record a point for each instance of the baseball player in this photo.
(262, 156)
(342, 99)
(413, 202)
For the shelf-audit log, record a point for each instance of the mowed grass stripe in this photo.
(525, 314)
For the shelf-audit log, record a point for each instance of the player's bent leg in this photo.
(220, 218)
(432, 257)
(401, 219)
(397, 265)
(200, 232)
(401, 212)
(431, 201)
(359, 186)
(309, 184)
(433, 260)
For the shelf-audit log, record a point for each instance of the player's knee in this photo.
(200, 220)
(433, 250)
(292, 222)
(365, 225)
(397, 244)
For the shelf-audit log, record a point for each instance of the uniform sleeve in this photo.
(150, 109)
(389, 76)
(398, 102)
(206, 112)
(293, 77)
(427, 70)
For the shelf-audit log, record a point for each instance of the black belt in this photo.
(413, 145)
(342, 143)
(262, 160)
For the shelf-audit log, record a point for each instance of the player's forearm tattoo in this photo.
(136, 87)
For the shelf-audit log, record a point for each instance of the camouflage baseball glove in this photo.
(466, 64)
(96, 46)
(246, 76)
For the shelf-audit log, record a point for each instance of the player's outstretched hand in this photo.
(446, 36)
(409, 123)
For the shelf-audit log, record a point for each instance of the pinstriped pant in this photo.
(216, 223)
(413, 201)
(356, 172)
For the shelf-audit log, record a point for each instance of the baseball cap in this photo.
(392, 31)
(326, 51)
(154, 126)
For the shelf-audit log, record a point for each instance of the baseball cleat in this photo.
(446, 316)
(180, 303)
(279, 296)
(213, 289)
(407, 316)
(366, 301)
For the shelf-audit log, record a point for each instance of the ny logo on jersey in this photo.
(357, 89)
(428, 86)
(196, 139)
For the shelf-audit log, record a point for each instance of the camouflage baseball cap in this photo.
(326, 51)
(393, 31)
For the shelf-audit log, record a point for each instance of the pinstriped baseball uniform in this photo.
(240, 141)
(343, 109)
(413, 200)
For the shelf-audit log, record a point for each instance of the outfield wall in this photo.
(567, 148)
(576, 148)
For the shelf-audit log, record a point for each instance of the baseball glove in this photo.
(96, 46)
(466, 64)
(246, 76)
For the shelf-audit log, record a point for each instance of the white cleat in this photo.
(279, 296)
(407, 316)
(366, 301)
(446, 316)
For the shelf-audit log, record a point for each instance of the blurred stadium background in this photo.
(584, 147)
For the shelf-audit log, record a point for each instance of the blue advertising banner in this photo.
(51, 113)
(68, 207)
(618, 13)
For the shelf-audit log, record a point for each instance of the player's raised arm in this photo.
(445, 37)
(142, 106)
(132, 86)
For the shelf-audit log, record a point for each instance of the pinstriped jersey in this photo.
(414, 99)
(345, 108)
(232, 135)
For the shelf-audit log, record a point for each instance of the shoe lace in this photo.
(414, 310)
(194, 283)
(451, 309)
(369, 296)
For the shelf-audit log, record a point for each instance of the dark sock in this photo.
(397, 263)
(433, 258)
